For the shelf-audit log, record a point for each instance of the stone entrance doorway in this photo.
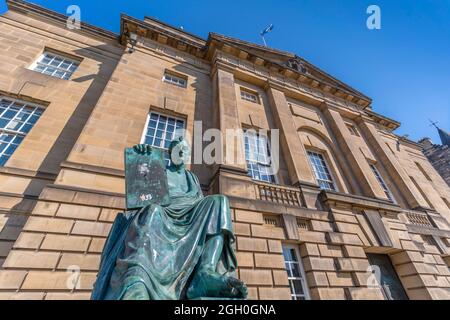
(390, 282)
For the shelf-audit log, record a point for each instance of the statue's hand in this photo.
(144, 149)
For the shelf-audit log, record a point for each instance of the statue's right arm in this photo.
(143, 149)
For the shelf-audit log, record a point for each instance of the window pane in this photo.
(287, 253)
(56, 66)
(249, 96)
(161, 131)
(295, 273)
(172, 79)
(3, 159)
(65, 65)
(382, 183)
(3, 123)
(298, 286)
(258, 157)
(321, 171)
(17, 120)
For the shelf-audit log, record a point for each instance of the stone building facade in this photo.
(439, 154)
(349, 193)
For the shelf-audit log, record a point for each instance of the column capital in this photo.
(220, 65)
(362, 119)
(270, 84)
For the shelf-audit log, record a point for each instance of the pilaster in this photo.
(291, 145)
(354, 157)
(393, 167)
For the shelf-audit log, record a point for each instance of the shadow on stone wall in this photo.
(18, 215)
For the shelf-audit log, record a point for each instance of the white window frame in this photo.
(73, 62)
(247, 95)
(176, 80)
(146, 130)
(382, 182)
(19, 133)
(303, 280)
(333, 180)
(256, 162)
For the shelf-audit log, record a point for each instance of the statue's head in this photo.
(179, 151)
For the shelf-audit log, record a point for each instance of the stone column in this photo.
(293, 149)
(228, 119)
(393, 167)
(358, 163)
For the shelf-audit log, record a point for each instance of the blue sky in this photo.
(404, 67)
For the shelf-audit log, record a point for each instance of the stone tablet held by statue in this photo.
(146, 180)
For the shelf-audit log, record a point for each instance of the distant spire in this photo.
(445, 136)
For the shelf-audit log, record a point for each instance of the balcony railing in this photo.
(418, 219)
(278, 194)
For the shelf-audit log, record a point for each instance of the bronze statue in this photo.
(172, 251)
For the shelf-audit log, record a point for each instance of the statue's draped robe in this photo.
(161, 246)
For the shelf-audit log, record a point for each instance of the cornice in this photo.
(270, 84)
(213, 35)
(287, 72)
(382, 120)
(343, 110)
(413, 144)
(183, 41)
(220, 65)
(359, 201)
(161, 33)
(196, 46)
(31, 9)
(180, 32)
(289, 55)
(261, 77)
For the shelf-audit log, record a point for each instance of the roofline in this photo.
(199, 43)
(26, 7)
(345, 86)
(252, 44)
(174, 28)
(172, 32)
(395, 123)
(287, 54)
(407, 140)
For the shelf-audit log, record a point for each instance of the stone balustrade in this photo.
(279, 194)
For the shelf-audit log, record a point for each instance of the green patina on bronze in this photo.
(145, 178)
(180, 249)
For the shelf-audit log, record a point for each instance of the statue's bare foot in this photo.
(239, 289)
(207, 284)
